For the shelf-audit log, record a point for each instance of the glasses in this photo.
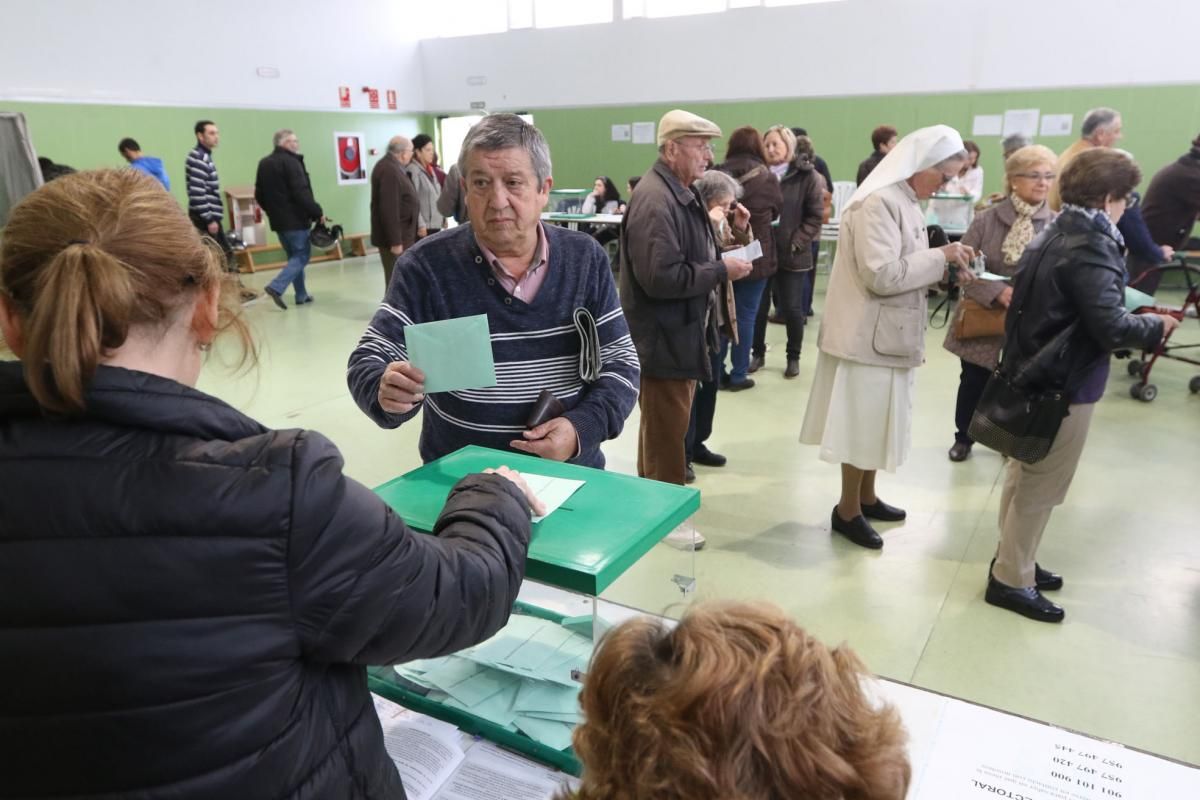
(703, 146)
(1037, 176)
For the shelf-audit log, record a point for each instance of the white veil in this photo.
(917, 151)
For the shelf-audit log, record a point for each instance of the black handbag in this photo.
(1013, 416)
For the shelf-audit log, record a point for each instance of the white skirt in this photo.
(860, 414)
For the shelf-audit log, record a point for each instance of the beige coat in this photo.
(986, 234)
(875, 306)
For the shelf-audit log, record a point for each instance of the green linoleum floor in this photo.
(1124, 666)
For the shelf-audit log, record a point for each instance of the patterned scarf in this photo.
(1021, 233)
(1100, 219)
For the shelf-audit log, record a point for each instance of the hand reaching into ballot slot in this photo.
(536, 506)
(555, 440)
(401, 388)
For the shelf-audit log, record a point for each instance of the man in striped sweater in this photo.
(204, 187)
(529, 279)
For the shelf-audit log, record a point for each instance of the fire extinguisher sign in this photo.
(344, 96)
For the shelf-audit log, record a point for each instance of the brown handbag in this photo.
(975, 321)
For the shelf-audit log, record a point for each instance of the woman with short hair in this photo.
(423, 173)
(1001, 232)
(1070, 291)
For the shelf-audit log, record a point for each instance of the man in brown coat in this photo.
(393, 205)
(670, 264)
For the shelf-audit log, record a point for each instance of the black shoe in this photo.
(724, 382)
(708, 458)
(883, 512)
(961, 451)
(1027, 602)
(793, 368)
(777, 319)
(274, 295)
(741, 386)
(305, 301)
(689, 476)
(857, 530)
(757, 363)
(1043, 579)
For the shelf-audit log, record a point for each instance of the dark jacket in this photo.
(669, 267)
(452, 202)
(1138, 241)
(823, 169)
(1072, 271)
(865, 168)
(188, 599)
(800, 220)
(393, 205)
(762, 198)
(284, 191)
(1172, 201)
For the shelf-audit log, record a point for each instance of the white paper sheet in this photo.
(622, 133)
(987, 125)
(644, 133)
(1021, 120)
(1058, 124)
(490, 773)
(747, 253)
(426, 751)
(551, 491)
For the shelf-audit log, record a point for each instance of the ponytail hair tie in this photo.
(78, 241)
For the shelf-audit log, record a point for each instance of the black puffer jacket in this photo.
(187, 599)
(284, 191)
(1073, 271)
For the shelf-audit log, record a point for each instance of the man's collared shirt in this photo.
(526, 287)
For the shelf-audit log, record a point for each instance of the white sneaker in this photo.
(1190, 311)
(685, 537)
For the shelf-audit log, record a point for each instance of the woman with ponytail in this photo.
(188, 599)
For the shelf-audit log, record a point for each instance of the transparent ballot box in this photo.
(520, 688)
(567, 201)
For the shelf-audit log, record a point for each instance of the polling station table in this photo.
(572, 220)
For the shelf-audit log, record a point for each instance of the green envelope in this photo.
(455, 354)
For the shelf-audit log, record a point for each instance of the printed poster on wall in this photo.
(391, 99)
(344, 96)
(373, 98)
(643, 133)
(1021, 120)
(349, 158)
(1058, 124)
(622, 133)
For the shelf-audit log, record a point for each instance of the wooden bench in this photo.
(360, 244)
(247, 259)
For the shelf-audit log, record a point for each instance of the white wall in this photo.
(205, 52)
(856, 47)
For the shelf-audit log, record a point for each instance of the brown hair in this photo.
(88, 257)
(1097, 174)
(746, 141)
(882, 135)
(737, 702)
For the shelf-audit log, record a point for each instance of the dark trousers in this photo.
(218, 237)
(1137, 269)
(388, 261)
(789, 297)
(704, 409)
(971, 381)
(810, 281)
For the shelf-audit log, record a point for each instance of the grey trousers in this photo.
(1031, 491)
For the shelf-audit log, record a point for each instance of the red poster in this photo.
(391, 99)
(373, 98)
(344, 96)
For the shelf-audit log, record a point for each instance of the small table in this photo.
(572, 220)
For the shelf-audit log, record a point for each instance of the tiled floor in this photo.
(1126, 663)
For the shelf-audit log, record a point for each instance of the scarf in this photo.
(1100, 220)
(778, 170)
(1021, 233)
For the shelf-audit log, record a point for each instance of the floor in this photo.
(1124, 666)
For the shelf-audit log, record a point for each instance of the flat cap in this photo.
(678, 123)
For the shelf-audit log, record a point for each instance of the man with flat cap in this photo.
(670, 264)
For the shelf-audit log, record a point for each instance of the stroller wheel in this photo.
(1194, 385)
(1145, 393)
(1135, 368)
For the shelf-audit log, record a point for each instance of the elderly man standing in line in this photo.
(670, 265)
(533, 282)
(1101, 128)
(393, 205)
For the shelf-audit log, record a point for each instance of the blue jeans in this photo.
(746, 295)
(295, 244)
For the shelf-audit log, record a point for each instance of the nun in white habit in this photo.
(872, 333)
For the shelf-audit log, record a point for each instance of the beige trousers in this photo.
(666, 407)
(1031, 491)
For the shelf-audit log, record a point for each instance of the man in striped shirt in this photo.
(530, 280)
(204, 187)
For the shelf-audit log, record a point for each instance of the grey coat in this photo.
(986, 234)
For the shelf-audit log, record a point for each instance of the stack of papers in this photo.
(520, 679)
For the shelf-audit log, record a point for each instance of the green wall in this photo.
(86, 136)
(1159, 124)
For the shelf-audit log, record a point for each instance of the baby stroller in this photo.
(1140, 368)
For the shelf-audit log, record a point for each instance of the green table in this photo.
(601, 531)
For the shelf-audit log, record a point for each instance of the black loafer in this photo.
(1028, 602)
(883, 512)
(741, 386)
(857, 530)
(1043, 579)
(707, 458)
(961, 451)
(689, 475)
(793, 368)
(274, 295)
(757, 363)
(1046, 580)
